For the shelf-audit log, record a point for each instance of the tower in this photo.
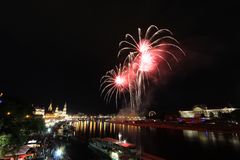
(56, 110)
(65, 109)
(50, 107)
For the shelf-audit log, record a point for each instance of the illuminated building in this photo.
(50, 107)
(57, 114)
(52, 114)
(199, 111)
(39, 111)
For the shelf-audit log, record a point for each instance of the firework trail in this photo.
(142, 59)
(115, 82)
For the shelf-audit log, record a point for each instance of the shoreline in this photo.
(223, 128)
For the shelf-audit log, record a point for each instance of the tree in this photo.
(219, 115)
(225, 116)
(211, 115)
(4, 143)
(202, 115)
(17, 122)
(235, 115)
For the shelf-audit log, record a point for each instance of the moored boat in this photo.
(115, 149)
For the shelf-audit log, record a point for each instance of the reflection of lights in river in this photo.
(221, 137)
(203, 137)
(81, 126)
(110, 128)
(138, 128)
(85, 126)
(104, 128)
(196, 135)
(114, 128)
(100, 129)
(211, 137)
(90, 127)
(77, 126)
(94, 127)
(235, 141)
(190, 134)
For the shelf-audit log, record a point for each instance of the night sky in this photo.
(54, 50)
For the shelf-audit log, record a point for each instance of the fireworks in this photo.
(142, 59)
(114, 81)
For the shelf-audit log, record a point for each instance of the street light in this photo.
(114, 156)
(119, 136)
(49, 130)
(59, 153)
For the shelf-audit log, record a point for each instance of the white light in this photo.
(58, 152)
(32, 141)
(144, 47)
(114, 156)
(119, 136)
(49, 130)
(146, 62)
(119, 81)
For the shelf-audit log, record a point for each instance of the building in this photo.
(39, 111)
(50, 113)
(200, 110)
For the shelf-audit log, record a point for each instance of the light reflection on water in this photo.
(91, 129)
(207, 138)
(166, 143)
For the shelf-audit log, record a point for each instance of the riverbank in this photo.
(223, 128)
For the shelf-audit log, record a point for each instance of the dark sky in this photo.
(58, 50)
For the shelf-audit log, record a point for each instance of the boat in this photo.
(24, 152)
(114, 149)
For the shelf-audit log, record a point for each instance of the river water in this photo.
(167, 143)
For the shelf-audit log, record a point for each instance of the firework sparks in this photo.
(146, 62)
(144, 46)
(119, 80)
(142, 56)
(114, 82)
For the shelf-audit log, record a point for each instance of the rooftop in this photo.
(120, 143)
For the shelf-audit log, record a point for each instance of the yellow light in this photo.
(8, 113)
(114, 156)
(27, 116)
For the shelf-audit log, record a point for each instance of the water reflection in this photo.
(165, 143)
(207, 138)
(103, 129)
(91, 129)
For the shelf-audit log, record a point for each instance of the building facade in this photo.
(50, 113)
(199, 111)
(39, 111)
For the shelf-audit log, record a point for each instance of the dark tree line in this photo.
(16, 123)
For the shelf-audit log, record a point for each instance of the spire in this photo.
(50, 107)
(56, 110)
(1, 94)
(65, 108)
